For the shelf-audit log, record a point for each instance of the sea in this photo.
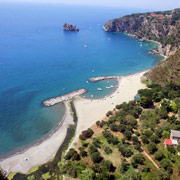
(38, 60)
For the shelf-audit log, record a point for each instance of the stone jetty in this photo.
(100, 78)
(66, 97)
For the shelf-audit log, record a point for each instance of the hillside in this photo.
(163, 27)
(166, 71)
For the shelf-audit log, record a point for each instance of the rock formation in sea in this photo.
(70, 27)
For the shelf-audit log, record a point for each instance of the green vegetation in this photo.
(132, 128)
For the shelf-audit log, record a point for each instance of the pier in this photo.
(66, 97)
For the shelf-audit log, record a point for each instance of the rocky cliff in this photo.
(163, 27)
(70, 27)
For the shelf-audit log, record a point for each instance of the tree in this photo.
(137, 159)
(2, 177)
(144, 139)
(114, 127)
(146, 102)
(152, 148)
(73, 155)
(171, 149)
(128, 134)
(107, 166)
(83, 153)
(167, 165)
(86, 134)
(154, 139)
(96, 157)
(125, 150)
(159, 155)
(163, 175)
(87, 174)
(124, 165)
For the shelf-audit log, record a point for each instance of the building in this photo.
(175, 135)
(170, 142)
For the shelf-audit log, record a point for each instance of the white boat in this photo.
(141, 45)
(92, 95)
(92, 70)
(99, 89)
(87, 81)
(108, 87)
(85, 46)
(111, 86)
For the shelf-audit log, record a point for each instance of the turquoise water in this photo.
(38, 61)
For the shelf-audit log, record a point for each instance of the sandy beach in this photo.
(88, 111)
(39, 153)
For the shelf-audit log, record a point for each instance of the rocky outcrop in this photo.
(160, 26)
(70, 27)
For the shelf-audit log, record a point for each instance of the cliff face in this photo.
(160, 26)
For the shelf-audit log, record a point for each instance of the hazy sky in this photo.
(138, 4)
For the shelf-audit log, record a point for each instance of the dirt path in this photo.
(149, 157)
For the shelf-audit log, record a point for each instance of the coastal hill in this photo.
(163, 27)
(70, 27)
(166, 71)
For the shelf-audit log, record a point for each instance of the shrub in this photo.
(124, 165)
(86, 134)
(107, 150)
(109, 113)
(96, 142)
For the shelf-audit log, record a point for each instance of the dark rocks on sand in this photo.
(70, 27)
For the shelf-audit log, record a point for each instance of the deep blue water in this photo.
(38, 60)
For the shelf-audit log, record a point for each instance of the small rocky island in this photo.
(70, 27)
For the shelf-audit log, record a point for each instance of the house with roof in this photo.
(170, 142)
(175, 135)
(174, 139)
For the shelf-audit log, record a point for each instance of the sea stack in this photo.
(70, 27)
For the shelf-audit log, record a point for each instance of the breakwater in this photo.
(66, 97)
(100, 78)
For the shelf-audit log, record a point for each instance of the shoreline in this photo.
(6, 162)
(15, 162)
(126, 91)
(34, 153)
(156, 52)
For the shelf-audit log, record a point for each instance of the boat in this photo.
(111, 86)
(92, 95)
(108, 87)
(85, 46)
(92, 70)
(99, 89)
(87, 81)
